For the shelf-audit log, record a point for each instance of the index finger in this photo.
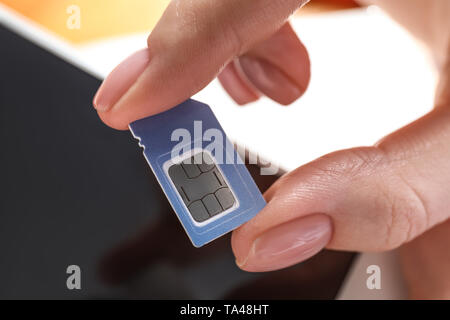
(189, 46)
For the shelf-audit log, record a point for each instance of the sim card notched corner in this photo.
(210, 189)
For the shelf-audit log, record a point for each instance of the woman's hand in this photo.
(364, 199)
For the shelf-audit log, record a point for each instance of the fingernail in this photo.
(120, 80)
(235, 86)
(270, 80)
(288, 244)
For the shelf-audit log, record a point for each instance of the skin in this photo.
(377, 198)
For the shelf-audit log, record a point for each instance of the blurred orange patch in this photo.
(98, 18)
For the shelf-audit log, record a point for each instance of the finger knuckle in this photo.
(349, 164)
(404, 210)
(396, 207)
(214, 28)
(399, 208)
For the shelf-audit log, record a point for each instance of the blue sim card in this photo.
(202, 175)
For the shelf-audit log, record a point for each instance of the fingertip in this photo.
(113, 121)
(287, 100)
(286, 244)
(271, 80)
(278, 67)
(235, 247)
(236, 86)
(119, 81)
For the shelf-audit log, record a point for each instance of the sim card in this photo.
(202, 175)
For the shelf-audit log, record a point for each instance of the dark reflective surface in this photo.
(76, 192)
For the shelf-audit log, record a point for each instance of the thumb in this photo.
(189, 46)
(362, 199)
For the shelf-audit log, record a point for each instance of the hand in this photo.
(249, 41)
(364, 199)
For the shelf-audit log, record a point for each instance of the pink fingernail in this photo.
(235, 86)
(120, 80)
(270, 80)
(288, 244)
